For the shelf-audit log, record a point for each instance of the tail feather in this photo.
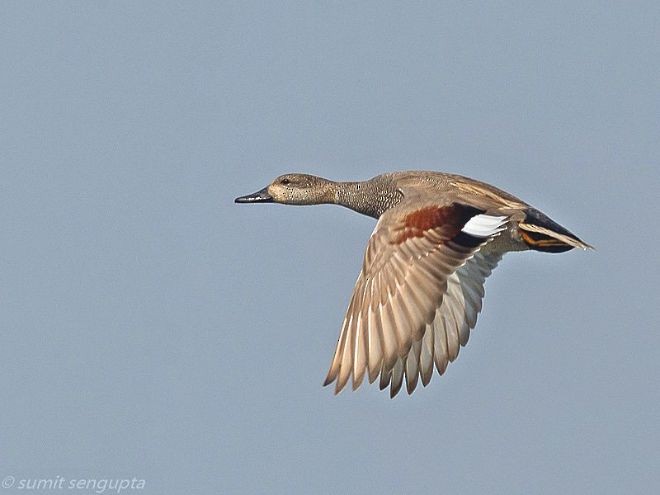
(543, 234)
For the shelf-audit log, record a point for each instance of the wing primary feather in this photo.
(385, 376)
(397, 378)
(375, 357)
(441, 344)
(412, 366)
(339, 352)
(360, 352)
(426, 356)
(452, 337)
(389, 336)
(346, 366)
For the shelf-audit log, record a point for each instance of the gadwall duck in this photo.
(421, 286)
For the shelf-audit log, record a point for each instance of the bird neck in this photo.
(371, 197)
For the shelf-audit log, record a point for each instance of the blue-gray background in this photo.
(152, 328)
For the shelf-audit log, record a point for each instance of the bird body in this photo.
(417, 297)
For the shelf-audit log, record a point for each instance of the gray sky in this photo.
(152, 328)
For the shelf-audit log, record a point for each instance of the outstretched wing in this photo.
(408, 272)
(450, 328)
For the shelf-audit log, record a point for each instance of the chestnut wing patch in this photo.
(447, 221)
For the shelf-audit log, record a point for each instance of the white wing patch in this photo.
(484, 225)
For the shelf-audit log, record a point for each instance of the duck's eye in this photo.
(285, 182)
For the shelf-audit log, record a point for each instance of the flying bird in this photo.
(437, 239)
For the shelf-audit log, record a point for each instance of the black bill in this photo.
(258, 197)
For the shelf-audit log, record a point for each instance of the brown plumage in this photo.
(417, 297)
